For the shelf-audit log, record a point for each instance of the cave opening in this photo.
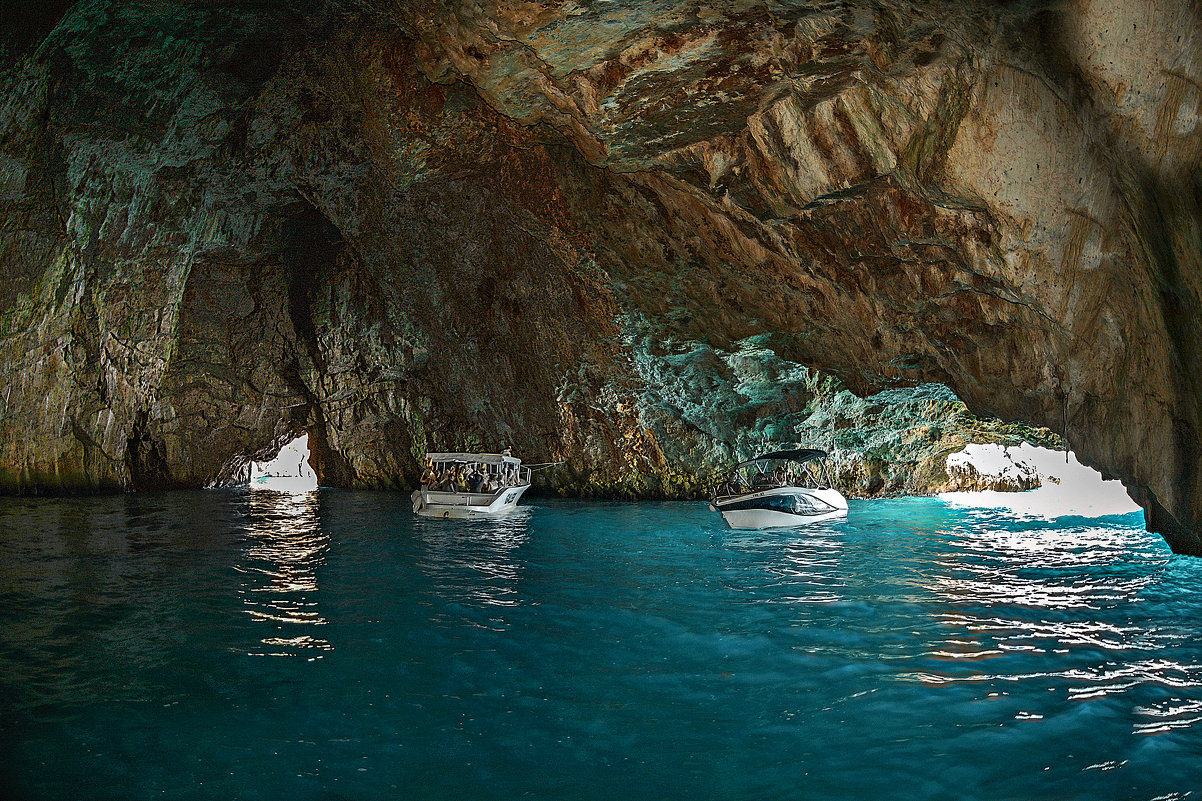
(290, 470)
(1051, 483)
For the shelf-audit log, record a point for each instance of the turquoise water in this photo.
(234, 645)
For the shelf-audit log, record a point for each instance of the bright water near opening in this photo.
(255, 645)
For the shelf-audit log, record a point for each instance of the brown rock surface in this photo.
(609, 232)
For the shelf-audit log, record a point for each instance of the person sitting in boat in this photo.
(778, 477)
(475, 481)
(429, 477)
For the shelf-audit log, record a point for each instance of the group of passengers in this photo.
(458, 478)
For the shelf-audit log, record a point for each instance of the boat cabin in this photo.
(473, 472)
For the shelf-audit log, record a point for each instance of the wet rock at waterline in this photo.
(609, 233)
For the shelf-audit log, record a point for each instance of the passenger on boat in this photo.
(475, 482)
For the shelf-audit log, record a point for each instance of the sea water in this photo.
(330, 645)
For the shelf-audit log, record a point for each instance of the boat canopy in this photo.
(473, 458)
(800, 456)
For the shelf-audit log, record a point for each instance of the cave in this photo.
(260, 258)
(641, 241)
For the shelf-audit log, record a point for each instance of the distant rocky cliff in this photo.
(642, 237)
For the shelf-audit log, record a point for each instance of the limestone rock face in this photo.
(606, 232)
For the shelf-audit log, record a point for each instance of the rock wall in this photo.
(610, 233)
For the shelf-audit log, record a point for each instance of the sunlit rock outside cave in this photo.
(288, 471)
(600, 399)
(1040, 482)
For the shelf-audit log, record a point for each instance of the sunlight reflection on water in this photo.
(285, 546)
(1020, 588)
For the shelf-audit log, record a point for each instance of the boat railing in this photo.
(498, 480)
(813, 475)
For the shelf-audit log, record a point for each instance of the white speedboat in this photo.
(779, 490)
(470, 485)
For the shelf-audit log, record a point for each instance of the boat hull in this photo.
(466, 505)
(781, 507)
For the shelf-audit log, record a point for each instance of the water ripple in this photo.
(335, 646)
(1175, 713)
(285, 548)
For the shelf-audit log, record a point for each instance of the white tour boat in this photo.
(470, 485)
(779, 489)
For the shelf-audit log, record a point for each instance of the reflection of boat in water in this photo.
(779, 489)
(470, 485)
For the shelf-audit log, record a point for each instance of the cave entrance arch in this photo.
(1027, 480)
(290, 470)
